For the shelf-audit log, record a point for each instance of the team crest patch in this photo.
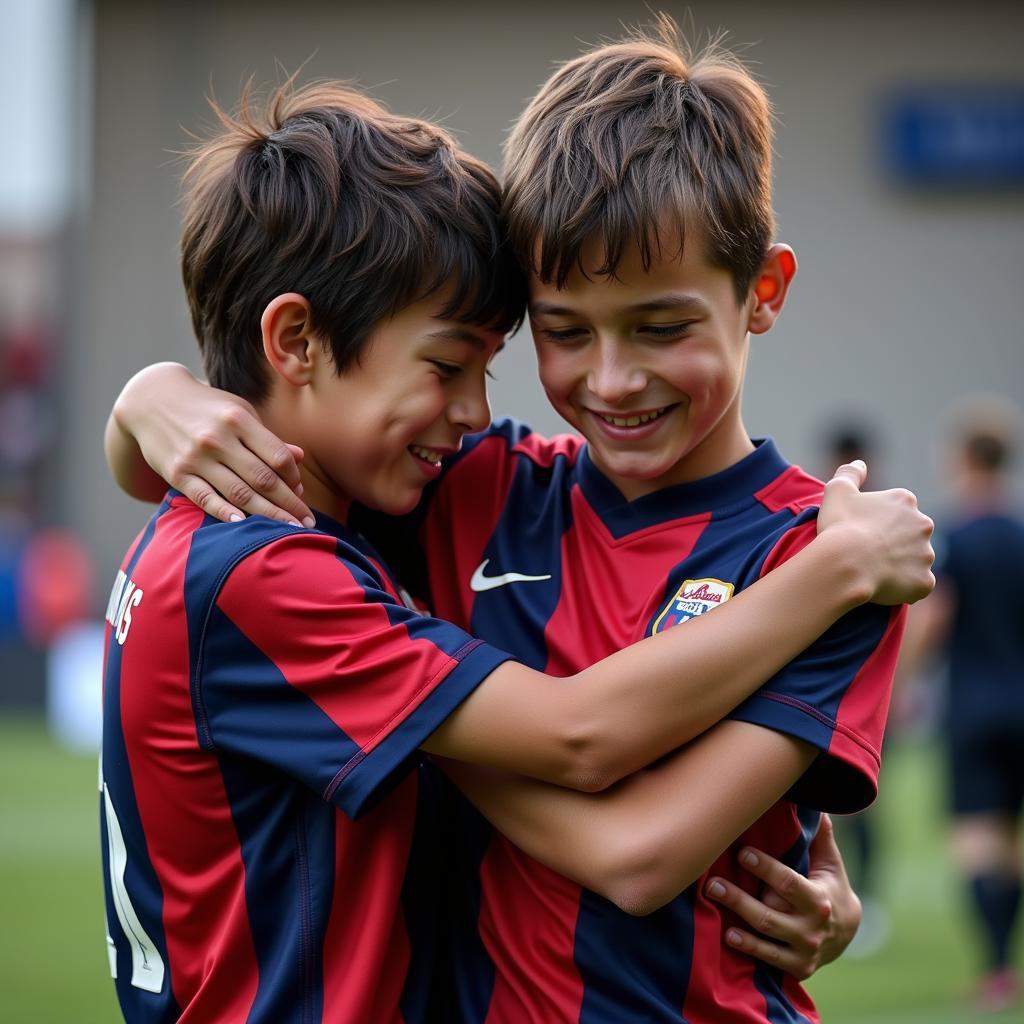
(694, 597)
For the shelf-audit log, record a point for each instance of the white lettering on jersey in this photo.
(124, 596)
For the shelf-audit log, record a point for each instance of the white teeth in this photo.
(427, 454)
(633, 421)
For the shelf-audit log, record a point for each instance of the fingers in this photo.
(783, 957)
(797, 890)
(226, 478)
(255, 489)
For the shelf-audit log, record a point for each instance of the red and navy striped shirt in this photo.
(265, 693)
(585, 574)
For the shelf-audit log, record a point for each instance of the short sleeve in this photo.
(834, 696)
(310, 666)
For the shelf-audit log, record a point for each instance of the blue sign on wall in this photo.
(963, 136)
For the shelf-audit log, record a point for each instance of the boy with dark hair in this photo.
(261, 680)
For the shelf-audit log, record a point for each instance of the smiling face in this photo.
(377, 432)
(648, 364)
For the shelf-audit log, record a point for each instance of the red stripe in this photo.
(864, 708)
(341, 650)
(791, 542)
(530, 938)
(794, 490)
(200, 869)
(366, 949)
(601, 609)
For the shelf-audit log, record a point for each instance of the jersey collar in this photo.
(721, 493)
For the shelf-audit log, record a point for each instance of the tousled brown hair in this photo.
(636, 141)
(323, 192)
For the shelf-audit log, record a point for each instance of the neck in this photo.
(319, 492)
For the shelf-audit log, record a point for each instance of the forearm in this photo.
(130, 470)
(644, 841)
(589, 730)
(649, 699)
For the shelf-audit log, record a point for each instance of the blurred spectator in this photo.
(976, 616)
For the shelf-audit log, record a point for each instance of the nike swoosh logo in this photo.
(479, 583)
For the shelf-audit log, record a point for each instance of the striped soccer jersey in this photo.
(528, 546)
(265, 692)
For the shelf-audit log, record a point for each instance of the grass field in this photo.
(53, 967)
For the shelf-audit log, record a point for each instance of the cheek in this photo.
(557, 374)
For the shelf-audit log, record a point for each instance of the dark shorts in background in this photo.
(987, 770)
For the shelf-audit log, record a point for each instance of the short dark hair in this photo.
(986, 451)
(323, 192)
(635, 140)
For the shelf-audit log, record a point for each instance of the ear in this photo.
(771, 286)
(289, 343)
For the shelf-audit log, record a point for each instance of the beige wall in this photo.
(903, 301)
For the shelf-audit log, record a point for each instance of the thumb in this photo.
(824, 851)
(855, 472)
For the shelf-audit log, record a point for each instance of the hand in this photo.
(887, 529)
(804, 923)
(211, 446)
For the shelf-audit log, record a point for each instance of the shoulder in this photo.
(269, 563)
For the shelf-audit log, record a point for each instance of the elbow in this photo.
(592, 758)
(638, 879)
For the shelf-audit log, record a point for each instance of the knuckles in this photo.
(233, 417)
(264, 478)
(239, 494)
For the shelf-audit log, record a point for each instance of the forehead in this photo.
(678, 273)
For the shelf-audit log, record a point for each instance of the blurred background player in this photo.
(976, 616)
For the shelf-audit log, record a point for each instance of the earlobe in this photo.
(288, 339)
(771, 287)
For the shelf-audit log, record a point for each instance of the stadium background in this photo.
(908, 297)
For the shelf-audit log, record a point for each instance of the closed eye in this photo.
(447, 370)
(665, 330)
(563, 334)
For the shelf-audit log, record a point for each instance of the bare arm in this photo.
(591, 729)
(200, 433)
(623, 843)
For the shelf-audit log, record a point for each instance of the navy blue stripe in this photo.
(215, 550)
(422, 894)
(140, 878)
(635, 970)
(253, 711)
(527, 540)
(287, 835)
(469, 970)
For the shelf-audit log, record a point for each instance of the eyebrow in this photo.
(463, 334)
(660, 303)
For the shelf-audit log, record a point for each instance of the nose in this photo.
(469, 408)
(613, 374)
